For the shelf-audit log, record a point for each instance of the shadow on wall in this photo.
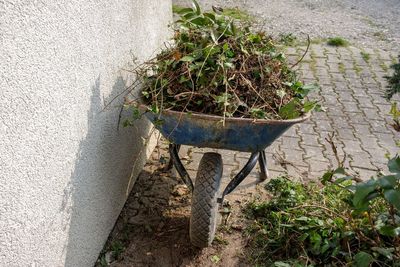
(97, 189)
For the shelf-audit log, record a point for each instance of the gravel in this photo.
(365, 23)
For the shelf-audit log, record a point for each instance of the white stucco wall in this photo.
(64, 168)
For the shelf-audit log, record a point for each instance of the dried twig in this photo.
(308, 46)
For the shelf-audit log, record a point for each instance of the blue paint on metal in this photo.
(209, 131)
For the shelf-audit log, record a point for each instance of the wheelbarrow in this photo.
(201, 130)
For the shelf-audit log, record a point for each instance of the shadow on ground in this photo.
(153, 228)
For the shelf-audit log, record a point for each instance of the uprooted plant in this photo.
(218, 65)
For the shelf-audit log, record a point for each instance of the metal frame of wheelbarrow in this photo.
(200, 130)
(235, 182)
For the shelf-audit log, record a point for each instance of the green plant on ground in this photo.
(366, 56)
(337, 41)
(343, 223)
(288, 39)
(393, 86)
(218, 65)
(342, 68)
(392, 89)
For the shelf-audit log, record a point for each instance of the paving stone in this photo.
(356, 112)
(292, 143)
(346, 134)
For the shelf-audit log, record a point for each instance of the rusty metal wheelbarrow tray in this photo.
(201, 130)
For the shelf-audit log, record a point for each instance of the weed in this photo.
(215, 259)
(356, 68)
(220, 240)
(117, 247)
(337, 41)
(287, 39)
(341, 67)
(384, 67)
(340, 223)
(366, 56)
(393, 86)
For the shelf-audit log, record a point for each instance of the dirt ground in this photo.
(153, 228)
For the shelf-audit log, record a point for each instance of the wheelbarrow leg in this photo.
(262, 160)
(240, 176)
(171, 162)
(173, 151)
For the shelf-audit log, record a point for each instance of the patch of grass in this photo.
(117, 247)
(366, 56)
(337, 41)
(356, 68)
(341, 67)
(114, 248)
(384, 67)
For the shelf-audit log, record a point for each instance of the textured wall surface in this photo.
(64, 168)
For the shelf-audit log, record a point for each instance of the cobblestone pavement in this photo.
(351, 91)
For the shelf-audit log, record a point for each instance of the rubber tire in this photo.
(204, 211)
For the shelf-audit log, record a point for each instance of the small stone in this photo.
(180, 190)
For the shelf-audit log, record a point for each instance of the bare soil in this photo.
(153, 228)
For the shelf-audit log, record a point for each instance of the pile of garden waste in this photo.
(218, 64)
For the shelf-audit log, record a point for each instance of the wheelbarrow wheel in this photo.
(204, 211)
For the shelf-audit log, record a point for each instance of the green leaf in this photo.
(229, 65)
(387, 252)
(363, 259)
(327, 177)
(362, 191)
(196, 7)
(290, 111)
(304, 90)
(257, 113)
(340, 170)
(181, 10)
(210, 16)
(393, 197)
(309, 106)
(388, 181)
(199, 21)
(389, 230)
(394, 164)
(187, 59)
